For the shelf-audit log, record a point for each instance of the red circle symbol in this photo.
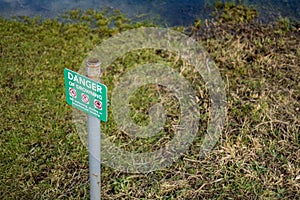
(98, 104)
(84, 98)
(72, 92)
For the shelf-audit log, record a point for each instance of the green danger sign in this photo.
(86, 94)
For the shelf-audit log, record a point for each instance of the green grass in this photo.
(42, 156)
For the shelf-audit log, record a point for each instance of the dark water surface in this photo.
(168, 12)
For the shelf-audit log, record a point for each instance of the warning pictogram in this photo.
(98, 104)
(72, 92)
(84, 98)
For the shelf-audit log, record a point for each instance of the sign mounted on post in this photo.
(86, 94)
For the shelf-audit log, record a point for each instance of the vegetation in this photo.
(230, 12)
(42, 156)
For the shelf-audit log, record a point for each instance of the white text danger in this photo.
(85, 82)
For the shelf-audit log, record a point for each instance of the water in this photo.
(168, 12)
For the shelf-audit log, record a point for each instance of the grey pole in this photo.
(94, 131)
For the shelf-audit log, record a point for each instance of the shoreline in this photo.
(184, 17)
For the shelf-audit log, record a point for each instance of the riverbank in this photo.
(166, 12)
(257, 156)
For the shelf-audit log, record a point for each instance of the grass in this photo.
(257, 157)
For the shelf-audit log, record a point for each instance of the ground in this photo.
(42, 156)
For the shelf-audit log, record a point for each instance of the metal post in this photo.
(94, 131)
